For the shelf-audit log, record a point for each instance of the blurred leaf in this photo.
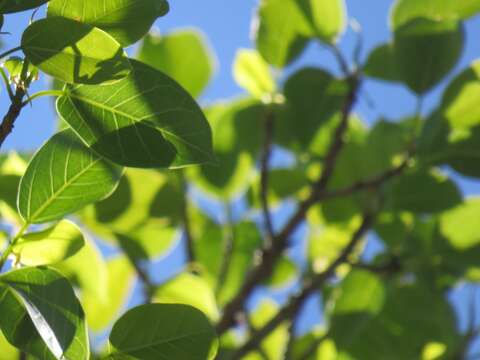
(118, 287)
(60, 323)
(390, 335)
(328, 18)
(16, 6)
(73, 174)
(459, 102)
(406, 10)
(313, 96)
(424, 191)
(284, 274)
(151, 121)
(274, 345)
(126, 21)
(357, 299)
(183, 54)
(86, 56)
(149, 241)
(283, 31)
(189, 289)
(252, 73)
(87, 270)
(7, 350)
(174, 331)
(426, 51)
(49, 246)
(381, 64)
(460, 225)
(236, 130)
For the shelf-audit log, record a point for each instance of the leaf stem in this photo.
(12, 244)
(11, 51)
(43, 93)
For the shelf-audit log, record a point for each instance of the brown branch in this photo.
(270, 254)
(11, 116)
(310, 286)
(264, 175)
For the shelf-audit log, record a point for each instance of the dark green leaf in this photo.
(11, 6)
(170, 331)
(53, 308)
(426, 51)
(145, 120)
(381, 64)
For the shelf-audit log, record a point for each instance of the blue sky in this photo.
(227, 26)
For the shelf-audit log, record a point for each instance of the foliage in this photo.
(134, 153)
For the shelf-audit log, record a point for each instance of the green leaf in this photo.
(283, 31)
(149, 241)
(253, 74)
(87, 271)
(426, 51)
(11, 6)
(63, 177)
(284, 273)
(460, 225)
(183, 54)
(358, 298)
(101, 311)
(381, 64)
(189, 289)
(150, 121)
(424, 191)
(328, 18)
(7, 350)
(405, 10)
(55, 311)
(273, 346)
(74, 52)
(49, 246)
(313, 96)
(170, 331)
(459, 102)
(126, 21)
(234, 144)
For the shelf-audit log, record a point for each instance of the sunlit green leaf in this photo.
(126, 21)
(189, 289)
(253, 74)
(150, 121)
(406, 10)
(63, 177)
(74, 52)
(49, 246)
(101, 311)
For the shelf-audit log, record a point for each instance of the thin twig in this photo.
(264, 175)
(270, 254)
(291, 335)
(310, 286)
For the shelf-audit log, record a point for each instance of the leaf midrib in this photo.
(61, 190)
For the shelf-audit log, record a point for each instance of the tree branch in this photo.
(14, 110)
(270, 254)
(311, 285)
(264, 177)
